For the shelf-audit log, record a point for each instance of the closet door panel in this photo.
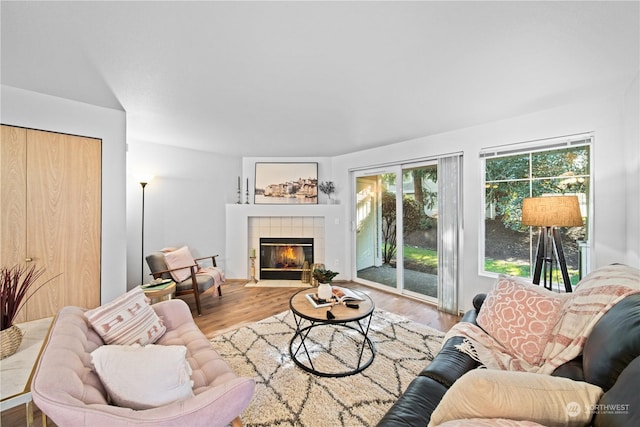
(63, 219)
(13, 170)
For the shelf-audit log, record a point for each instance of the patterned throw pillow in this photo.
(520, 316)
(179, 258)
(129, 319)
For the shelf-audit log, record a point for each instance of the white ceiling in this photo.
(317, 78)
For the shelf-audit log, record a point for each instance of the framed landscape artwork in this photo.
(286, 183)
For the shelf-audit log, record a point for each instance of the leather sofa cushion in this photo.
(614, 342)
(416, 404)
(620, 406)
(572, 370)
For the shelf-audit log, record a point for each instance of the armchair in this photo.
(187, 272)
(67, 389)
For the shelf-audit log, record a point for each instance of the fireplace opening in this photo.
(284, 257)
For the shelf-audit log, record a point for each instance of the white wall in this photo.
(38, 111)
(602, 116)
(184, 203)
(632, 162)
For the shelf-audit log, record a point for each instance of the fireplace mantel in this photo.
(237, 227)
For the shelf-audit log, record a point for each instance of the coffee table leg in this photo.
(303, 337)
(365, 333)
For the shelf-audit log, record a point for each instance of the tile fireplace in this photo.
(284, 257)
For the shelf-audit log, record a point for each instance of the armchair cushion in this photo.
(179, 258)
(143, 377)
(128, 319)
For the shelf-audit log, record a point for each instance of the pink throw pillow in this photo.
(129, 319)
(179, 258)
(520, 316)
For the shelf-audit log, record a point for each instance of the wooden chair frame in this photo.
(194, 283)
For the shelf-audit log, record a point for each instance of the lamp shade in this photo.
(557, 211)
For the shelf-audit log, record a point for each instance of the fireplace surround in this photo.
(284, 257)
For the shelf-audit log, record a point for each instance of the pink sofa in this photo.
(69, 392)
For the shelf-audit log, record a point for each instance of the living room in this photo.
(184, 175)
(192, 199)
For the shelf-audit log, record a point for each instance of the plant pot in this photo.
(10, 340)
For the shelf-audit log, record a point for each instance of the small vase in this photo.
(324, 291)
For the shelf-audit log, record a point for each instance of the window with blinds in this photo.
(559, 166)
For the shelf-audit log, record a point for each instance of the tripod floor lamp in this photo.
(549, 213)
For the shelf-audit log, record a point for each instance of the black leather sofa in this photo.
(610, 359)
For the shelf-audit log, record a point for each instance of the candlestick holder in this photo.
(253, 270)
(239, 202)
(247, 195)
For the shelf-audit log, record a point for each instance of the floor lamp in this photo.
(143, 183)
(549, 213)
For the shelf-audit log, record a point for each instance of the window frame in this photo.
(531, 147)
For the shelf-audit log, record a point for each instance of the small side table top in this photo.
(160, 294)
(16, 370)
(301, 306)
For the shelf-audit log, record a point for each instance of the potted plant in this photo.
(327, 187)
(324, 278)
(16, 287)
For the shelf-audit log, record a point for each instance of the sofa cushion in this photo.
(520, 316)
(179, 258)
(607, 353)
(129, 319)
(547, 400)
(620, 406)
(143, 377)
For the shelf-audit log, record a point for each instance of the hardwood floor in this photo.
(240, 305)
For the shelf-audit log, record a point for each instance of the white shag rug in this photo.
(286, 395)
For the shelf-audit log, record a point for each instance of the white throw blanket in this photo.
(593, 297)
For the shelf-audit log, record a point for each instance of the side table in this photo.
(160, 293)
(16, 370)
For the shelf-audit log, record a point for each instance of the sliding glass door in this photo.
(375, 228)
(396, 228)
(420, 230)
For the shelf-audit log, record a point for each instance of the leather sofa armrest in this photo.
(449, 364)
(415, 406)
(478, 300)
(470, 317)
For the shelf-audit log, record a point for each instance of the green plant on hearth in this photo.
(327, 187)
(324, 276)
(17, 286)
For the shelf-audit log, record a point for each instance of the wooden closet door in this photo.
(64, 219)
(13, 195)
